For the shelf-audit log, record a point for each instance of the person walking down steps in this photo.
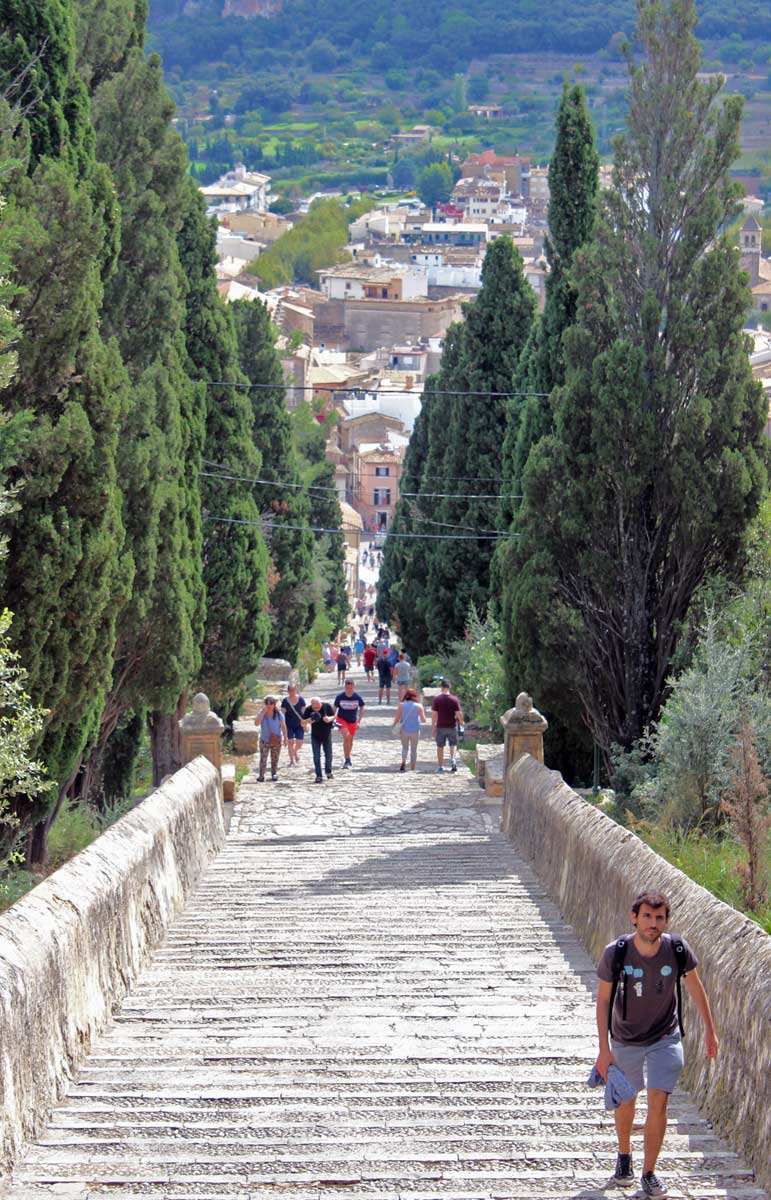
(272, 727)
(409, 715)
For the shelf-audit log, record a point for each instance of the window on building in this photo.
(382, 471)
(382, 496)
(382, 520)
(384, 293)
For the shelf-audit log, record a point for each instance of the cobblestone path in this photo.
(369, 995)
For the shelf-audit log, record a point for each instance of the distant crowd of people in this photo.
(286, 722)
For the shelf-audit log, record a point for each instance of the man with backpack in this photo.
(639, 1022)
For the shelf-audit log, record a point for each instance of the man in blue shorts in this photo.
(642, 1036)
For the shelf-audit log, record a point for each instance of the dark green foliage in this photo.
(106, 31)
(235, 555)
(449, 38)
(573, 179)
(157, 649)
(67, 575)
(656, 462)
(37, 66)
(313, 243)
(435, 184)
(285, 503)
(329, 593)
(399, 583)
(466, 433)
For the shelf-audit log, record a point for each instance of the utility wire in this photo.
(223, 472)
(360, 391)
(450, 537)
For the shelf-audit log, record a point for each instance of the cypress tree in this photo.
(160, 629)
(495, 330)
(234, 551)
(573, 182)
(67, 575)
(285, 502)
(401, 566)
(573, 179)
(324, 513)
(656, 462)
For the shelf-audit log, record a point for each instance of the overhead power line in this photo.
(223, 472)
(360, 391)
(450, 537)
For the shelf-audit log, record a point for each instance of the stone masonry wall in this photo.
(70, 950)
(593, 868)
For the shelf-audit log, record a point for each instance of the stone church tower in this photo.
(751, 237)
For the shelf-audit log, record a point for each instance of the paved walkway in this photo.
(369, 995)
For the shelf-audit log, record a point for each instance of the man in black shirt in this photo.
(645, 1035)
(319, 717)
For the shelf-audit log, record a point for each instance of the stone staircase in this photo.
(369, 995)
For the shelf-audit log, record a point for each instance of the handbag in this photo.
(461, 731)
(396, 731)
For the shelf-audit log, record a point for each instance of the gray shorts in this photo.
(663, 1062)
(445, 737)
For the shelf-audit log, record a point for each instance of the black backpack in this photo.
(619, 955)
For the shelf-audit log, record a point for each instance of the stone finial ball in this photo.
(201, 704)
(524, 703)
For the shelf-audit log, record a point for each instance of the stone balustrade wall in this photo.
(70, 950)
(593, 869)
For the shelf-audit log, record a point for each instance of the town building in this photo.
(237, 191)
(352, 281)
(490, 112)
(511, 170)
(757, 267)
(461, 234)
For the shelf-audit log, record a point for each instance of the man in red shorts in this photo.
(349, 710)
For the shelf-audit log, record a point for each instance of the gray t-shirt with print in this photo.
(651, 996)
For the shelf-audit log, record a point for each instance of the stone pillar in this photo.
(523, 730)
(202, 734)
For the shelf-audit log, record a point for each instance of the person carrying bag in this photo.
(272, 727)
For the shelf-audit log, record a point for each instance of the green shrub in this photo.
(430, 670)
(474, 666)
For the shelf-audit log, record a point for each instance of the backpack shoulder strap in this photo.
(617, 967)
(678, 947)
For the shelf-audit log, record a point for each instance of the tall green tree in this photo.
(234, 552)
(284, 501)
(67, 574)
(496, 328)
(329, 589)
(656, 462)
(435, 184)
(160, 629)
(573, 180)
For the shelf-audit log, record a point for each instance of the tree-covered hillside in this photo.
(443, 37)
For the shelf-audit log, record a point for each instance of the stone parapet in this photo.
(246, 737)
(71, 948)
(483, 752)
(593, 868)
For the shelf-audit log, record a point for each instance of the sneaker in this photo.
(273, 777)
(652, 1186)
(330, 775)
(318, 779)
(624, 1174)
(402, 767)
(260, 778)
(453, 766)
(440, 770)
(347, 763)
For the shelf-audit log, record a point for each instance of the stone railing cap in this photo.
(523, 713)
(201, 719)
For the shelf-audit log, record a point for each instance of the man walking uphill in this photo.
(638, 1010)
(446, 715)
